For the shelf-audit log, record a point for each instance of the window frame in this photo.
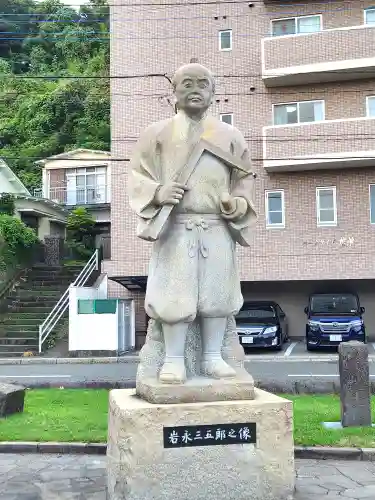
(372, 8)
(319, 223)
(230, 31)
(278, 225)
(368, 106)
(369, 199)
(226, 114)
(295, 24)
(298, 112)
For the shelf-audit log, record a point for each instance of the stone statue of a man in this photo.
(193, 273)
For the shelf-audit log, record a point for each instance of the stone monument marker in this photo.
(195, 428)
(354, 384)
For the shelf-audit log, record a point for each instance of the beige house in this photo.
(45, 216)
(298, 79)
(81, 177)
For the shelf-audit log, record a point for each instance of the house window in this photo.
(298, 112)
(275, 211)
(370, 105)
(372, 203)
(296, 25)
(227, 118)
(370, 16)
(225, 40)
(326, 208)
(86, 186)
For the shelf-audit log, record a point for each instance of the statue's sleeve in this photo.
(144, 176)
(242, 186)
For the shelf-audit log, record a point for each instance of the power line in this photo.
(188, 4)
(151, 75)
(4, 96)
(286, 158)
(81, 19)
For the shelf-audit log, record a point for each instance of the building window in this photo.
(296, 25)
(225, 40)
(370, 16)
(86, 186)
(372, 203)
(370, 105)
(326, 208)
(275, 211)
(298, 112)
(227, 118)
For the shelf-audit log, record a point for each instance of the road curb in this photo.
(273, 386)
(300, 452)
(135, 359)
(327, 453)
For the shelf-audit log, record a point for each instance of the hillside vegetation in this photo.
(54, 85)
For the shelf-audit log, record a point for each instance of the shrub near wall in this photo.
(17, 243)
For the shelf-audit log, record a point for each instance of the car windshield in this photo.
(251, 312)
(334, 304)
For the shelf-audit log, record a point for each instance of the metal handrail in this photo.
(54, 316)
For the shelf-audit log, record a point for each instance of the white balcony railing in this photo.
(77, 196)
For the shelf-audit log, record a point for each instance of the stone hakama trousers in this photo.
(193, 271)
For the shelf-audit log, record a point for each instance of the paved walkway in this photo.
(68, 477)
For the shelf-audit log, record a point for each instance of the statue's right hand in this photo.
(170, 194)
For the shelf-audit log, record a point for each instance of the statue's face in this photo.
(194, 91)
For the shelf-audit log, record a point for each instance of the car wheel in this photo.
(279, 346)
(310, 347)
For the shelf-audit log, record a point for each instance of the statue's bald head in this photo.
(194, 86)
(193, 69)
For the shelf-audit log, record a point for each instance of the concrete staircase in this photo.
(28, 305)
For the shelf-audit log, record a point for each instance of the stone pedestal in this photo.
(142, 467)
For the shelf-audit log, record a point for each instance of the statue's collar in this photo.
(181, 115)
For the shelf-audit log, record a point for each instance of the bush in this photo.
(17, 241)
(80, 233)
(7, 204)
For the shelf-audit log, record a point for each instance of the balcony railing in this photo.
(328, 55)
(77, 196)
(327, 144)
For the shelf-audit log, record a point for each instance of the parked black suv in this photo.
(262, 324)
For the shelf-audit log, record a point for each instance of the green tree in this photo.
(80, 233)
(7, 204)
(67, 108)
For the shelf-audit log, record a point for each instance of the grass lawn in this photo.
(310, 411)
(69, 415)
(73, 415)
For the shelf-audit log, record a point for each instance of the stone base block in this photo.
(12, 399)
(140, 467)
(196, 390)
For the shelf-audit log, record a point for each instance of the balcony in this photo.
(330, 144)
(325, 56)
(97, 195)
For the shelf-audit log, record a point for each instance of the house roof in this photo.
(12, 177)
(69, 154)
(43, 201)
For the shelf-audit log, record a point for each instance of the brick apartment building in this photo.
(298, 80)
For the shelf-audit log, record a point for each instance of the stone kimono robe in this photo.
(193, 269)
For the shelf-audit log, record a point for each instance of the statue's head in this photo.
(194, 87)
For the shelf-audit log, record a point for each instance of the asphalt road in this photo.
(291, 365)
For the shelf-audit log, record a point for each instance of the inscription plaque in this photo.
(209, 435)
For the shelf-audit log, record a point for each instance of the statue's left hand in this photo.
(232, 208)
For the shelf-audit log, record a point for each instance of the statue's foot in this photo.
(173, 372)
(217, 368)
